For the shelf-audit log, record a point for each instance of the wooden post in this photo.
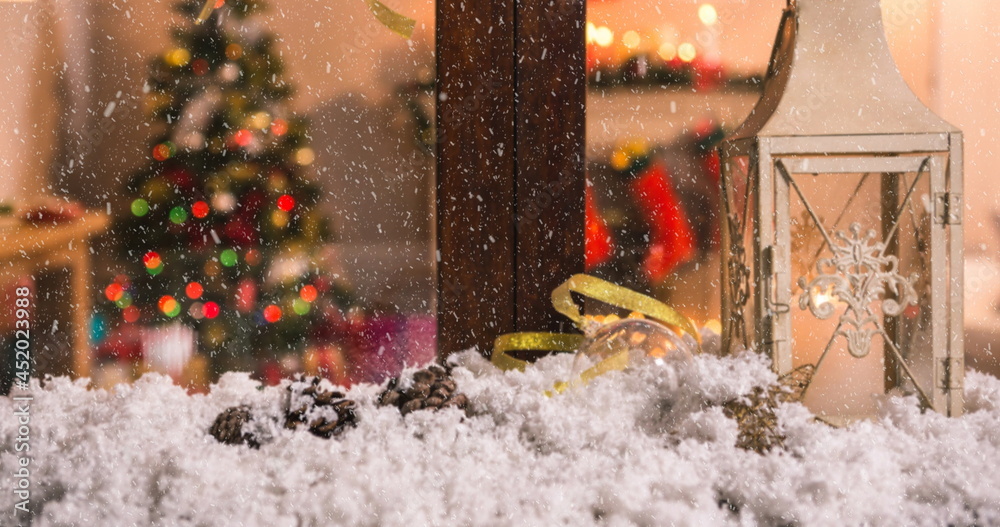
(510, 121)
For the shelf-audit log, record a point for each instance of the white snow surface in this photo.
(646, 446)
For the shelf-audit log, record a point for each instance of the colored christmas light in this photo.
(243, 137)
(211, 310)
(163, 151)
(286, 202)
(113, 292)
(194, 290)
(234, 51)
(124, 301)
(228, 258)
(178, 215)
(199, 67)
(199, 209)
(305, 156)
(279, 218)
(300, 307)
(152, 260)
(156, 270)
(279, 127)
(169, 306)
(272, 313)
(130, 314)
(308, 293)
(140, 207)
(177, 57)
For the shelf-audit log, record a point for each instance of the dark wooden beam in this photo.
(510, 121)
(550, 96)
(475, 168)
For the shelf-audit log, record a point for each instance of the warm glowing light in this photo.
(707, 14)
(308, 293)
(590, 32)
(260, 120)
(234, 51)
(194, 290)
(686, 52)
(667, 51)
(603, 36)
(272, 313)
(178, 57)
(631, 39)
(305, 156)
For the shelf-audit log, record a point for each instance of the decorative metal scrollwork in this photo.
(863, 277)
(739, 280)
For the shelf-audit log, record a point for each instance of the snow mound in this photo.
(646, 446)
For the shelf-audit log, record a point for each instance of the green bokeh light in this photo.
(301, 307)
(124, 301)
(228, 258)
(140, 207)
(178, 215)
(156, 270)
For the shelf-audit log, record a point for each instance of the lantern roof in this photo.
(831, 73)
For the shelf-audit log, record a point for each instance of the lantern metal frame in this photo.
(828, 112)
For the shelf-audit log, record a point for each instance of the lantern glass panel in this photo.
(857, 247)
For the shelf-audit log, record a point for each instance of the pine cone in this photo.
(432, 388)
(326, 413)
(755, 416)
(228, 427)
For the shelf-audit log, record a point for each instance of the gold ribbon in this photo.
(403, 25)
(562, 301)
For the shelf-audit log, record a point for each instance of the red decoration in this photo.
(193, 290)
(279, 127)
(672, 240)
(272, 313)
(130, 314)
(210, 310)
(199, 209)
(199, 67)
(242, 137)
(286, 203)
(246, 295)
(598, 246)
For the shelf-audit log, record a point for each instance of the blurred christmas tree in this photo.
(223, 222)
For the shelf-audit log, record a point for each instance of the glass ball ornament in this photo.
(616, 344)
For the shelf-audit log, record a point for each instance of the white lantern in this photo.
(842, 213)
